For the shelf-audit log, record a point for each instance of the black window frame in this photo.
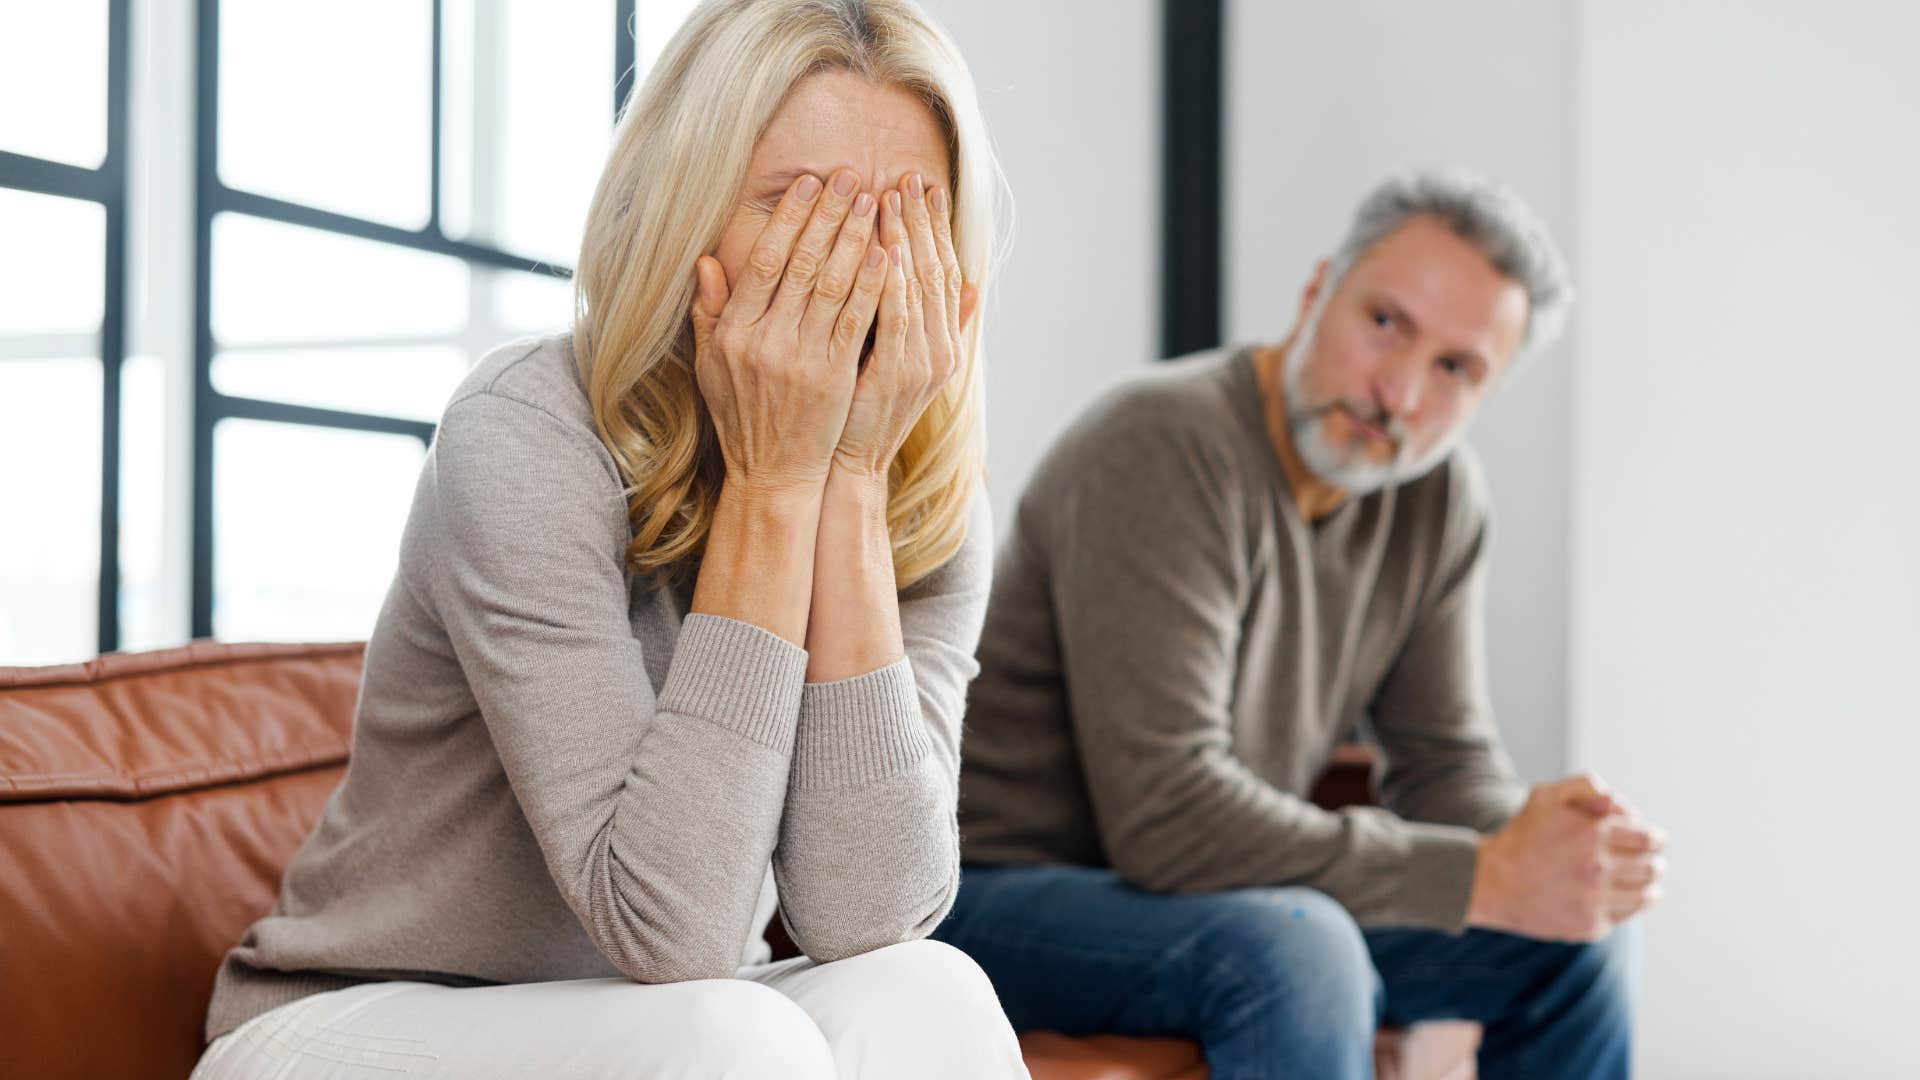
(106, 185)
(213, 197)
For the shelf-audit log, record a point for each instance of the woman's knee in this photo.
(735, 1028)
(922, 1006)
(927, 984)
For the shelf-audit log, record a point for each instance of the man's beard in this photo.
(1348, 468)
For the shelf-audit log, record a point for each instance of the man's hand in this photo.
(1575, 862)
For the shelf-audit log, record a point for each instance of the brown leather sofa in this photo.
(149, 803)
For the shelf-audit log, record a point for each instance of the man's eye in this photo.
(1383, 320)
(1452, 367)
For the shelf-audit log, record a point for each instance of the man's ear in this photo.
(1311, 293)
(969, 300)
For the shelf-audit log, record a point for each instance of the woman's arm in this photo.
(657, 817)
(868, 852)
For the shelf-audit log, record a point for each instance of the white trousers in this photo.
(917, 1011)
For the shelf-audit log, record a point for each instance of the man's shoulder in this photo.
(1185, 407)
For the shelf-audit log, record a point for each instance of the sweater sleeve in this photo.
(1149, 568)
(869, 846)
(1433, 714)
(656, 818)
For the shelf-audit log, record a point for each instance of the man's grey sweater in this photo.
(557, 773)
(1172, 653)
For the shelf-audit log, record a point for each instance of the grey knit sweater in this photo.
(557, 773)
(1172, 653)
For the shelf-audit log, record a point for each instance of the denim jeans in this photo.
(1280, 982)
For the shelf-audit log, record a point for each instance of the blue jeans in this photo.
(1280, 982)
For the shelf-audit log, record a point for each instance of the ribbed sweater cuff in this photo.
(255, 992)
(859, 730)
(738, 676)
(1439, 882)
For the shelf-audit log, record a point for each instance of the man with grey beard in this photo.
(1222, 571)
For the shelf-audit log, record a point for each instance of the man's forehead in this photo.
(1447, 284)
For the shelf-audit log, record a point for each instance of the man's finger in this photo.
(1639, 871)
(1627, 837)
(1623, 904)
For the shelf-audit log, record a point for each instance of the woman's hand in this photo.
(777, 356)
(917, 344)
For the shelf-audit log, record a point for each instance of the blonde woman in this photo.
(686, 609)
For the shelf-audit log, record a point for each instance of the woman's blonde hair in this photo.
(679, 158)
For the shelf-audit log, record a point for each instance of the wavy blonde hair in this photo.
(679, 159)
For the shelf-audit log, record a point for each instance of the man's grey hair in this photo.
(1487, 215)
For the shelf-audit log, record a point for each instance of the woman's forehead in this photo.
(838, 120)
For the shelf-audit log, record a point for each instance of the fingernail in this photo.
(913, 185)
(809, 186)
(863, 205)
(843, 183)
(939, 200)
(893, 203)
(875, 256)
(898, 256)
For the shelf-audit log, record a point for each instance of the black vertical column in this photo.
(206, 181)
(623, 53)
(113, 324)
(1191, 166)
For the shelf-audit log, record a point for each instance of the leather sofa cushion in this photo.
(148, 805)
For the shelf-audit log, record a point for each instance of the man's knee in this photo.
(1295, 953)
(1601, 975)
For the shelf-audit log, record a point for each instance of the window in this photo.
(381, 191)
(62, 227)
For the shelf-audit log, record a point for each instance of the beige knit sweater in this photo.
(557, 773)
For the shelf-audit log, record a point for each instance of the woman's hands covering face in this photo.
(917, 346)
(778, 356)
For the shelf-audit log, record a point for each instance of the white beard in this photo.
(1346, 468)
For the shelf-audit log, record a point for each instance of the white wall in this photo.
(1323, 100)
(1071, 91)
(1747, 515)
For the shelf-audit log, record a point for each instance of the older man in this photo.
(1222, 571)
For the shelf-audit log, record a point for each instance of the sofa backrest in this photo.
(148, 806)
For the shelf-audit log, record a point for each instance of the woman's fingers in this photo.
(890, 339)
(768, 260)
(709, 300)
(850, 323)
(895, 233)
(808, 260)
(839, 275)
(927, 267)
(942, 206)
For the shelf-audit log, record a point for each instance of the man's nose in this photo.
(1396, 386)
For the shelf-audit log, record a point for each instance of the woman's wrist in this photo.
(758, 566)
(849, 485)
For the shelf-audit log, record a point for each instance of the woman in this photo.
(686, 594)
